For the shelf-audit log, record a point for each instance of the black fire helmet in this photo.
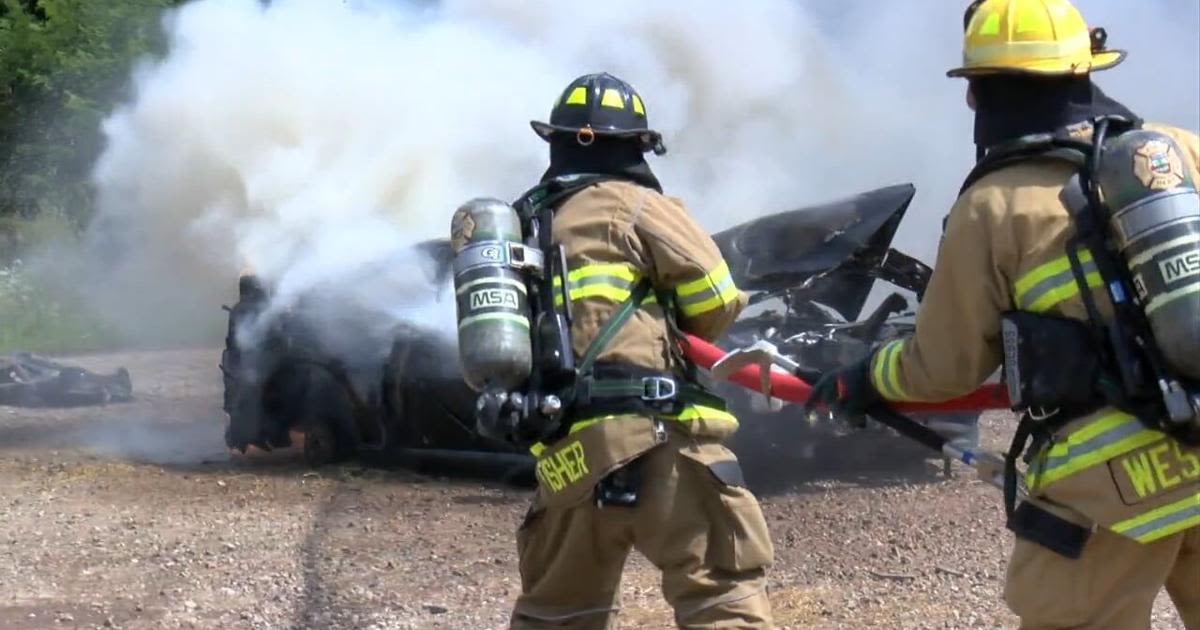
(601, 104)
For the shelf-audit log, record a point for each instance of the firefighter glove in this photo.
(846, 391)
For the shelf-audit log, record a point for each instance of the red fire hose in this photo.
(791, 388)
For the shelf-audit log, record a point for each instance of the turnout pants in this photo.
(1112, 585)
(694, 520)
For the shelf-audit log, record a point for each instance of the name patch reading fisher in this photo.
(565, 466)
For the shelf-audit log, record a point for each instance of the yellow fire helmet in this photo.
(1040, 37)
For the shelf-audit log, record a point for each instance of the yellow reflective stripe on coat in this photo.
(1111, 435)
(1163, 521)
(701, 412)
(611, 281)
(690, 413)
(885, 371)
(624, 271)
(714, 290)
(1051, 283)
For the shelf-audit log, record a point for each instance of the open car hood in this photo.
(775, 250)
(782, 250)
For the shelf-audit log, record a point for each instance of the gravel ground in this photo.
(134, 516)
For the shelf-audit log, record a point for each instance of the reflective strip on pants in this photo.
(1162, 521)
(1111, 435)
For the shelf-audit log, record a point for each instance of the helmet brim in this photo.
(1102, 60)
(648, 137)
(545, 130)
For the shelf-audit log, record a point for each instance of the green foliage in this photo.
(36, 319)
(63, 65)
(18, 236)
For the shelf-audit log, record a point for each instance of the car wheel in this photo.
(321, 444)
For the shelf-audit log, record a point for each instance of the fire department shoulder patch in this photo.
(1157, 165)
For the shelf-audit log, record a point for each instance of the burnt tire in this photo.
(240, 395)
(327, 421)
(322, 444)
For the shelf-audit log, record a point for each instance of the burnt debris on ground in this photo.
(28, 380)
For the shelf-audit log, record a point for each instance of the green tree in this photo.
(63, 65)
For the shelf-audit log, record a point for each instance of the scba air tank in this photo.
(1145, 180)
(492, 297)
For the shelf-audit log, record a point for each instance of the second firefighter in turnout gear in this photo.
(1113, 509)
(645, 469)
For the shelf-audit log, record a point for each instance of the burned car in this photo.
(389, 397)
(809, 274)
(395, 396)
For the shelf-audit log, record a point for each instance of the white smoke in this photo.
(308, 139)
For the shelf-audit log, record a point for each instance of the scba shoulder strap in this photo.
(1064, 144)
(551, 193)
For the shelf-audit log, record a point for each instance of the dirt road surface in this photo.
(135, 516)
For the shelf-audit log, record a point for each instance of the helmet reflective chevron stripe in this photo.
(1031, 37)
(1111, 435)
(1051, 283)
(611, 98)
(712, 291)
(576, 96)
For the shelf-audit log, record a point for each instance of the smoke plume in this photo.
(312, 141)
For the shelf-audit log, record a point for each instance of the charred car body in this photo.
(809, 273)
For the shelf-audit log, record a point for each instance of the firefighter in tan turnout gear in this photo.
(1112, 475)
(638, 461)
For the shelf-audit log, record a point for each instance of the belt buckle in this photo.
(657, 388)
